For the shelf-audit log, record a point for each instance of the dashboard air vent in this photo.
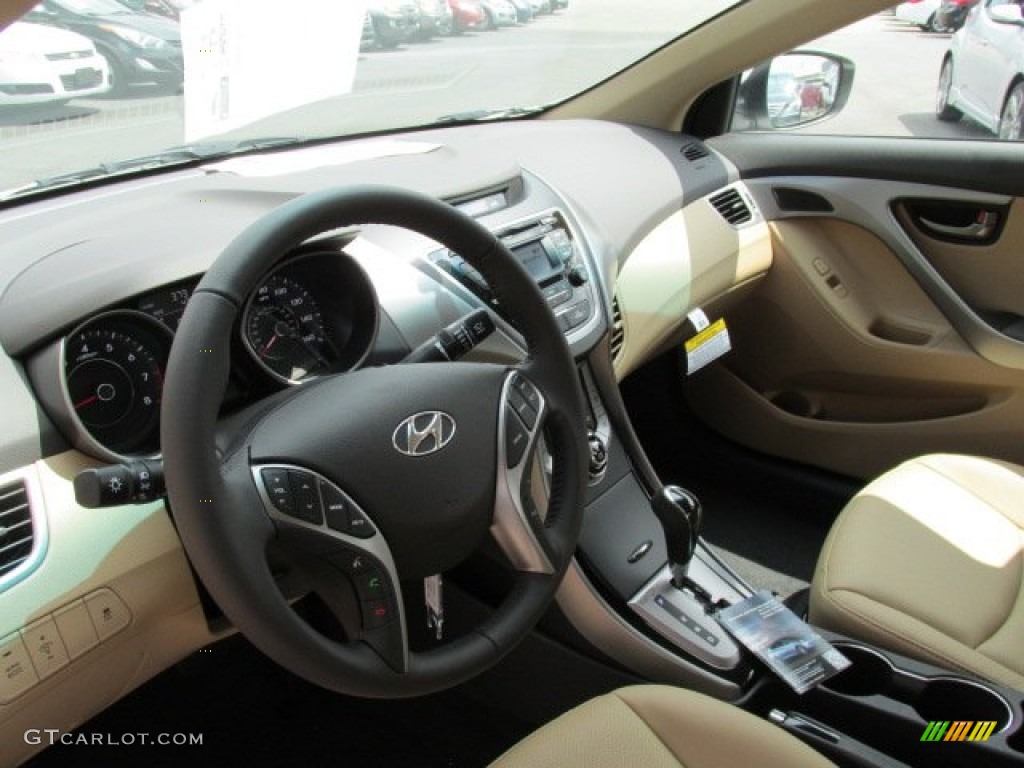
(695, 152)
(16, 534)
(618, 330)
(732, 206)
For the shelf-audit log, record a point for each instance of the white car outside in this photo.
(42, 65)
(920, 12)
(982, 74)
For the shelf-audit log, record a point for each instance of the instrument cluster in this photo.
(314, 314)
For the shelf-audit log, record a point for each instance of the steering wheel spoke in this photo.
(518, 524)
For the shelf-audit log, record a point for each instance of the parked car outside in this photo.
(541, 6)
(982, 74)
(953, 13)
(499, 13)
(467, 14)
(435, 18)
(389, 24)
(524, 10)
(43, 65)
(919, 12)
(138, 47)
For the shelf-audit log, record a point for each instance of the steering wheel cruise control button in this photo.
(525, 411)
(528, 391)
(308, 506)
(516, 438)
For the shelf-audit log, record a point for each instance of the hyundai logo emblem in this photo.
(424, 433)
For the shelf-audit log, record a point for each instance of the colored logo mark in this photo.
(959, 730)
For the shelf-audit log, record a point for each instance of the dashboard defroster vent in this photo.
(695, 152)
(731, 205)
(618, 330)
(16, 532)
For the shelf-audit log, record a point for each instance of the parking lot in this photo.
(897, 70)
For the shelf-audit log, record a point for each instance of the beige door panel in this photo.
(842, 361)
(988, 277)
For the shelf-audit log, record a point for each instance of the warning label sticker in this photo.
(707, 346)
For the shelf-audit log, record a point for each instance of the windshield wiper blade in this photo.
(183, 155)
(486, 115)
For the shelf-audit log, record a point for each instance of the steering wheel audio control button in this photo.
(279, 490)
(360, 525)
(308, 506)
(335, 508)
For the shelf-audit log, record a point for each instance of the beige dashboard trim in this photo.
(133, 551)
(688, 260)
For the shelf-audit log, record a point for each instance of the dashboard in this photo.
(94, 283)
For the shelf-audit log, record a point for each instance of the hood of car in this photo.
(23, 37)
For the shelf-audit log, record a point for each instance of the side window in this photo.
(928, 68)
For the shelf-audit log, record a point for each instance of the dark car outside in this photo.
(435, 18)
(390, 24)
(138, 47)
(953, 13)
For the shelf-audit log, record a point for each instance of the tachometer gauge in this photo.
(284, 330)
(113, 371)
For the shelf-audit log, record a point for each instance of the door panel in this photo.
(870, 341)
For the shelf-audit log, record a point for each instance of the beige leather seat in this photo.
(657, 726)
(928, 561)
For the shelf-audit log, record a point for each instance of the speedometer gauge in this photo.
(284, 329)
(113, 372)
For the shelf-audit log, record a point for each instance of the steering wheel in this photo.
(368, 478)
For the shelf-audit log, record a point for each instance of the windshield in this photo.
(229, 71)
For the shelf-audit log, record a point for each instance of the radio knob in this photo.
(576, 277)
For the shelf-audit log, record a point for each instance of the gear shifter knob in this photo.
(680, 514)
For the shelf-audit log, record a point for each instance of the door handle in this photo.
(981, 229)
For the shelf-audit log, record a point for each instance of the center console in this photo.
(547, 249)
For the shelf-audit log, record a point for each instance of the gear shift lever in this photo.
(680, 514)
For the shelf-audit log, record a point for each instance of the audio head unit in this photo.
(547, 250)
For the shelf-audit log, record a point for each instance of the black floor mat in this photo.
(248, 711)
(767, 518)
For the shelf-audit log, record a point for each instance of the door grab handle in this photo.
(981, 229)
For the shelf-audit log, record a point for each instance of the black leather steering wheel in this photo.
(415, 464)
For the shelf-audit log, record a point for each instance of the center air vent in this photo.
(731, 205)
(695, 152)
(618, 330)
(16, 534)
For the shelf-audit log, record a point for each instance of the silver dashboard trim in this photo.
(81, 436)
(509, 526)
(40, 532)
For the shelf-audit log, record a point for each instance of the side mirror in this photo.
(1007, 14)
(793, 90)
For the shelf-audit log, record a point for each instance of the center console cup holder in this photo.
(944, 697)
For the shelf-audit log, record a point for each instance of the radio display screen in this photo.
(538, 262)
